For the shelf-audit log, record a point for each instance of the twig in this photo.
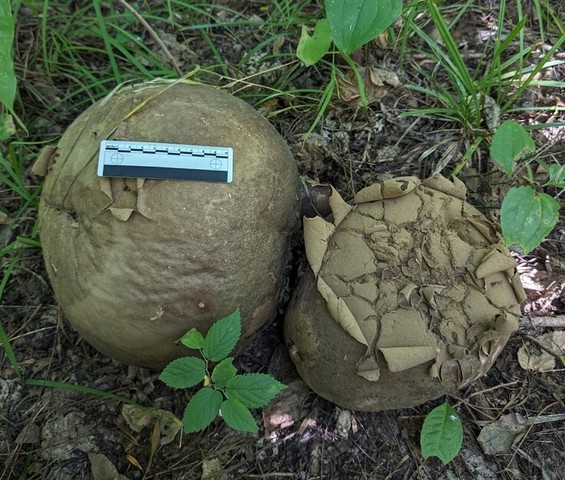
(152, 32)
(557, 321)
(535, 341)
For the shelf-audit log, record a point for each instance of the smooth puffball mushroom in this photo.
(136, 263)
(410, 295)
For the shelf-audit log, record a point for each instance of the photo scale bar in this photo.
(165, 161)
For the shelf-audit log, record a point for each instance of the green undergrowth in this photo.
(223, 392)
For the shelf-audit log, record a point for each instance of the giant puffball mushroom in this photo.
(136, 263)
(410, 295)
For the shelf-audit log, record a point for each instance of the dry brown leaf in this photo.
(377, 82)
(102, 468)
(539, 361)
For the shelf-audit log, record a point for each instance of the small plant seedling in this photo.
(526, 215)
(442, 434)
(223, 391)
(349, 24)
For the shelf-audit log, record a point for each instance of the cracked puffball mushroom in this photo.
(411, 295)
(136, 263)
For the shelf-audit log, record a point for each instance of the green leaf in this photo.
(254, 389)
(557, 176)
(509, 143)
(353, 23)
(184, 372)
(193, 339)
(313, 48)
(223, 372)
(222, 337)
(202, 408)
(238, 416)
(7, 75)
(527, 217)
(442, 434)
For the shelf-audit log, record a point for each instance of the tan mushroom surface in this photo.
(411, 295)
(135, 263)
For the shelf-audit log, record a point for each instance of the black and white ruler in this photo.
(119, 158)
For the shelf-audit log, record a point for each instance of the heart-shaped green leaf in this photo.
(313, 48)
(442, 434)
(353, 23)
(527, 217)
(509, 143)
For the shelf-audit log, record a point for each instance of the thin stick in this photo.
(557, 321)
(152, 32)
(546, 349)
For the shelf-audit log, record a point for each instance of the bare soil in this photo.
(58, 434)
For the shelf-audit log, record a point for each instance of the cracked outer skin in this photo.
(136, 264)
(412, 295)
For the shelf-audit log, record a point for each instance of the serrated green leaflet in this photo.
(184, 372)
(253, 390)
(313, 48)
(527, 216)
(193, 339)
(7, 75)
(202, 409)
(223, 372)
(442, 434)
(238, 416)
(222, 337)
(353, 23)
(509, 143)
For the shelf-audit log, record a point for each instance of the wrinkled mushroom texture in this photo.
(411, 294)
(136, 263)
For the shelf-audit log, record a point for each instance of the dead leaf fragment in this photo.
(4, 218)
(377, 82)
(102, 468)
(499, 436)
(539, 361)
(212, 470)
(139, 417)
(30, 434)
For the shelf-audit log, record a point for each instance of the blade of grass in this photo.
(81, 389)
(459, 67)
(8, 350)
(538, 68)
(108, 41)
(324, 101)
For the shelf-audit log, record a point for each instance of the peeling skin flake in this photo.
(420, 282)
